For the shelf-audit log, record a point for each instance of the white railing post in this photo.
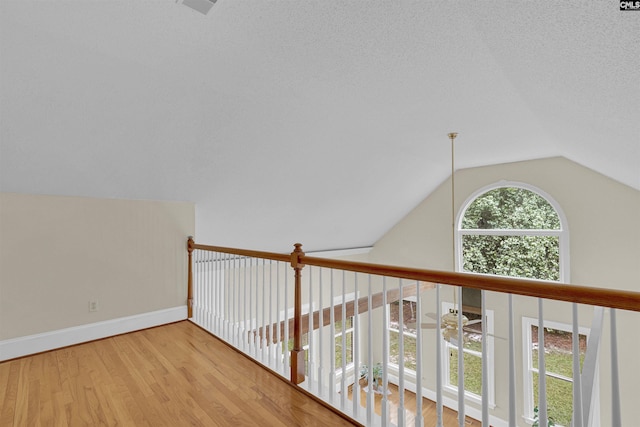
(355, 342)
(311, 363)
(278, 342)
(385, 354)
(401, 414)
(332, 339)
(512, 365)
(438, 335)
(616, 419)
(320, 333)
(419, 417)
(485, 362)
(577, 386)
(542, 372)
(461, 408)
(343, 349)
(369, 353)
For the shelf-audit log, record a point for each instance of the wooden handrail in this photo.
(245, 252)
(613, 298)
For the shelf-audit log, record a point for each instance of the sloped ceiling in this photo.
(319, 121)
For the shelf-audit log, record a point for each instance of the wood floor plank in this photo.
(172, 375)
(10, 371)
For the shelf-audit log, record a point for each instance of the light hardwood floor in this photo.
(429, 410)
(173, 375)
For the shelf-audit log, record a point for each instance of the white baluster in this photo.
(237, 303)
(343, 340)
(270, 342)
(205, 290)
(512, 365)
(438, 335)
(401, 414)
(616, 419)
(355, 341)
(264, 354)
(311, 364)
(320, 335)
(577, 380)
(332, 340)
(285, 339)
(385, 354)
(332, 334)
(542, 373)
(419, 416)
(460, 361)
(278, 321)
(369, 353)
(485, 362)
(255, 326)
(219, 290)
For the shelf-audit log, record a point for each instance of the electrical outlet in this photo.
(93, 306)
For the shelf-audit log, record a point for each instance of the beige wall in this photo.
(58, 253)
(604, 234)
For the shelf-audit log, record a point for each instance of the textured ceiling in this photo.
(316, 121)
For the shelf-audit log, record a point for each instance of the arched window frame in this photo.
(562, 233)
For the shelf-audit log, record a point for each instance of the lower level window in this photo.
(558, 366)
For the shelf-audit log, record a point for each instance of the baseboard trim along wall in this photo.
(31, 344)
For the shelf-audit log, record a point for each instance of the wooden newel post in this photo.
(190, 244)
(297, 354)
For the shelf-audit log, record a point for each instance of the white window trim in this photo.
(562, 233)
(527, 362)
(472, 397)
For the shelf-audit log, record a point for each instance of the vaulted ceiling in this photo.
(321, 121)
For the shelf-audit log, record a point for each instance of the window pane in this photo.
(559, 399)
(348, 324)
(409, 350)
(558, 350)
(409, 316)
(510, 208)
(558, 359)
(533, 257)
(472, 371)
(348, 350)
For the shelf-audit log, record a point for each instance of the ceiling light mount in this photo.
(202, 6)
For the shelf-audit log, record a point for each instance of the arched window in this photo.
(513, 229)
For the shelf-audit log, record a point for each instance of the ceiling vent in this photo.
(202, 6)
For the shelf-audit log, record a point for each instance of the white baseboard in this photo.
(31, 344)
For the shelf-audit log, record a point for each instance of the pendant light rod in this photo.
(452, 137)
